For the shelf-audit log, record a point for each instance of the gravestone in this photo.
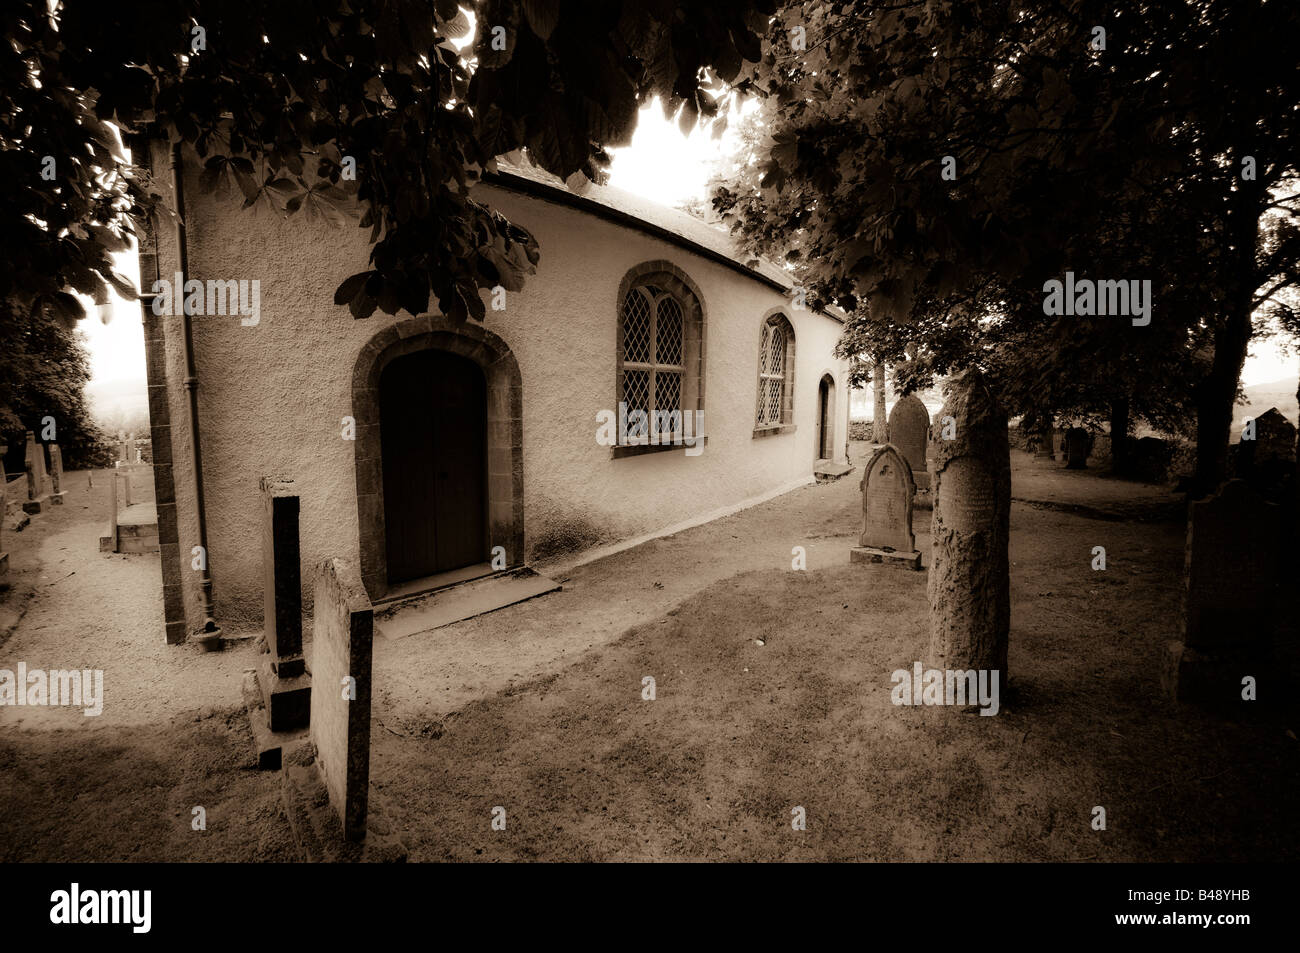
(35, 464)
(342, 640)
(1274, 438)
(4, 505)
(56, 474)
(969, 586)
(1048, 443)
(283, 678)
(887, 492)
(1078, 444)
(1233, 596)
(909, 429)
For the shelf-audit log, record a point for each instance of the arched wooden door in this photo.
(825, 419)
(433, 431)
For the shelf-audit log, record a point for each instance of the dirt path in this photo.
(173, 736)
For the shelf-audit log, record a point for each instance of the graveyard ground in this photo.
(537, 708)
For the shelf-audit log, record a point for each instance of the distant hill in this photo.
(121, 404)
(1260, 397)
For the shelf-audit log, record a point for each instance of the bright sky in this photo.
(661, 164)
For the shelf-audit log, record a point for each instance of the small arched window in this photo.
(660, 357)
(775, 373)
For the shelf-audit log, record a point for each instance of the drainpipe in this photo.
(211, 632)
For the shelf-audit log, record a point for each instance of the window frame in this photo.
(671, 283)
(775, 320)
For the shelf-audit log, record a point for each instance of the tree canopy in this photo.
(929, 166)
(287, 100)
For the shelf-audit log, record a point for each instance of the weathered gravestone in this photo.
(56, 474)
(4, 503)
(969, 584)
(35, 464)
(887, 492)
(1274, 438)
(343, 634)
(1233, 557)
(909, 429)
(285, 684)
(1049, 441)
(1078, 444)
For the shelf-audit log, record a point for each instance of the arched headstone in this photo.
(1078, 444)
(909, 429)
(887, 491)
(970, 584)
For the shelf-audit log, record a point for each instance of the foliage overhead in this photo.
(1123, 162)
(282, 100)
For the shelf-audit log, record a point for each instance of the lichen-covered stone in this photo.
(969, 582)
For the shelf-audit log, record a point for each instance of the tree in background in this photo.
(43, 373)
(933, 164)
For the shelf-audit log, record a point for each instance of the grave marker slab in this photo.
(1233, 598)
(1078, 444)
(969, 586)
(35, 466)
(4, 504)
(285, 684)
(56, 474)
(887, 493)
(909, 430)
(343, 637)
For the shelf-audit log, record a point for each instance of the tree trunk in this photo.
(1120, 458)
(879, 425)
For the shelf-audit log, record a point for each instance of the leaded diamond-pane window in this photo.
(775, 373)
(652, 364)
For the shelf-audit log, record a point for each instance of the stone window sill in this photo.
(773, 430)
(636, 449)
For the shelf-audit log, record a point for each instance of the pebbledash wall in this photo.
(272, 397)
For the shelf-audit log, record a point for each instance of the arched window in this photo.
(775, 373)
(660, 351)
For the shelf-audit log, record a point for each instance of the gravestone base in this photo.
(922, 480)
(868, 554)
(56, 499)
(1211, 679)
(316, 826)
(287, 700)
(272, 746)
(36, 506)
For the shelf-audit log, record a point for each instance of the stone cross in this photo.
(969, 585)
(887, 492)
(909, 429)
